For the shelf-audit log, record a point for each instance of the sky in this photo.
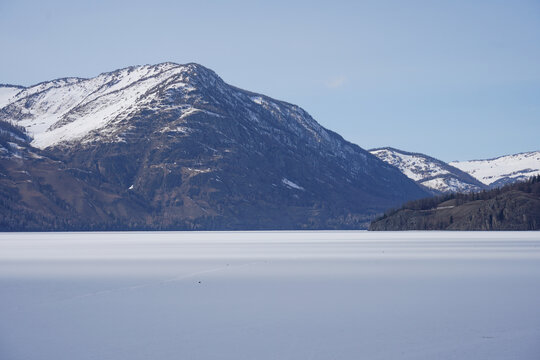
(456, 80)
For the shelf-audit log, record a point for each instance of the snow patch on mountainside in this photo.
(257, 100)
(504, 169)
(291, 184)
(447, 185)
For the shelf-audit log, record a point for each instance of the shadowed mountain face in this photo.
(40, 193)
(174, 147)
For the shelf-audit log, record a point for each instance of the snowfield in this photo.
(504, 169)
(270, 295)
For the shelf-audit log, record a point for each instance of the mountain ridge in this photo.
(461, 176)
(427, 171)
(502, 170)
(197, 153)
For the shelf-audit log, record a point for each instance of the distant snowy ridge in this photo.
(504, 169)
(462, 176)
(427, 171)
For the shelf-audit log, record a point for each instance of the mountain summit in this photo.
(189, 151)
(73, 109)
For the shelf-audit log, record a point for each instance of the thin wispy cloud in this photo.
(336, 82)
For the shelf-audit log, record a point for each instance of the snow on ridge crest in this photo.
(68, 109)
(413, 166)
(427, 171)
(76, 110)
(503, 169)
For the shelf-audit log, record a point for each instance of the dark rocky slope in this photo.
(40, 193)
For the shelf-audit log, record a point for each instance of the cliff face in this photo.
(514, 207)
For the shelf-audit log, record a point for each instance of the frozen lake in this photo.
(270, 295)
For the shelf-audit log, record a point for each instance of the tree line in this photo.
(531, 185)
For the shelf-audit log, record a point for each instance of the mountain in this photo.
(512, 207)
(40, 193)
(502, 170)
(173, 146)
(434, 174)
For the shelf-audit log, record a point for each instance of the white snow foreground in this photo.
(270, 295)
(504, 169)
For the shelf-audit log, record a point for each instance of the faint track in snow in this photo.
(139, 286)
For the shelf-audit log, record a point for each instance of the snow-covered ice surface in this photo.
(270, 295)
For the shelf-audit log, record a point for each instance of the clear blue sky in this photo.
(454, 79)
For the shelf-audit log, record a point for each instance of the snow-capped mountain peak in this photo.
(504, 169)
(68, 109)
(428, 171)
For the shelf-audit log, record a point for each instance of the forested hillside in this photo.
(513, 207)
